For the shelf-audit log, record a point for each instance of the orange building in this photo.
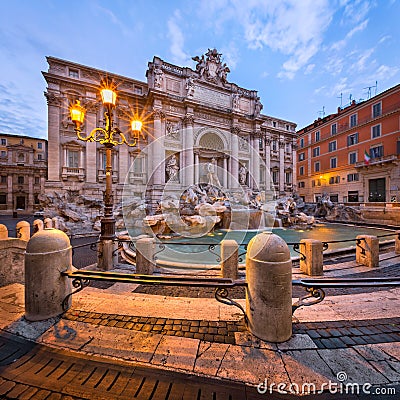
(353, 155)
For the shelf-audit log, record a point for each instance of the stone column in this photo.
(158, 153)
(91, 166)
(30, 192)
(255, 162)
(10, 202)
(294, 163)
(123, 166)
(225, 173)
(189, 156)
(53, 116)
(235, 158)
(267, 165)
(281, 164)
(145, 263)
(196, 168)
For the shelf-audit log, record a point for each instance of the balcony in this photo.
(101, 176)
(393, 158)
(138, 178)
(68, 172)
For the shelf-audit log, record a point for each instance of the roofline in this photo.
(322, 121)
(21, 136)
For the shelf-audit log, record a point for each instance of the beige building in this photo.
(23, 170)
(199, 127)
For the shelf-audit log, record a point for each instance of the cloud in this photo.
(115, 20)
(230, 55)
(384, 72)
(276, 25)
(356, 10)
(309, 69)
(177, 40)
(342, 43)
(363, 61)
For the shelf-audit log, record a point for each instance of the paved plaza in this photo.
(119, 341)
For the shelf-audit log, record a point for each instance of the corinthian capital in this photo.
(158, 114)
(53, 99)
(188, 119)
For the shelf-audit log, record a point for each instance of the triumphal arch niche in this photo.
(200, 128)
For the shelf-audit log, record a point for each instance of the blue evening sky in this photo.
(300, 55)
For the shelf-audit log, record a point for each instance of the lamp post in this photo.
(109, 136)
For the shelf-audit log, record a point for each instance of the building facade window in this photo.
(301, 170)
(332, 146)
(37, 180)
(315, 151)
(376, 110)
(353, 120)
(376, 152)
(302, 142)
(288, 177)
(317, 166)
(138, 90)
(74, 73)
(334, 179)
(20, 180)
(302, 156)
(4, 142)
(352, 158)
(40, 145)
(317, 136)
(301, 184)
(3, 198)
(3, 154)
(275, 177)
(334, 129)
(73, 159)
(333, 162)
(353, 177)
(352, 196)
(274, 145)
(21, 157)
(352, 139)
(376, 131)
(4, 179)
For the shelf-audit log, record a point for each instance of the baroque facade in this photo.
(198, 126)
(23, 170)
(353, 155)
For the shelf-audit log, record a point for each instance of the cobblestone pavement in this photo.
(326, 334)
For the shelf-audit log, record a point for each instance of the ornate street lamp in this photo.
(109, 136)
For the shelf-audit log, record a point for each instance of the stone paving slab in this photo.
(209, 358)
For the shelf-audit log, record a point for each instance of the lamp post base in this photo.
(106, 257)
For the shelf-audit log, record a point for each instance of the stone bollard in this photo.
(145, 249)
(397, 243)
(106, 251)
(48, 253)
(48, 223)
(269, 288)
(367, 251)
(313, 263)
(56, 223)
(3, 232)
(23, 230)
(229, 259)
(37, 225)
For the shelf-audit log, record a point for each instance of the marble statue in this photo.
(212, 174)
(242, 174)
(172, 169)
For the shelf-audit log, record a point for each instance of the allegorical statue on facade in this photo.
(172, 169)
(190, 86)
(158, 77)
(201, 65)
(257, 107)
(235, 101)
(212, 173)
(242, 174)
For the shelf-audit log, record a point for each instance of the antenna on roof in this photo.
(341, 99)
(369, 90)
(322, 112)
